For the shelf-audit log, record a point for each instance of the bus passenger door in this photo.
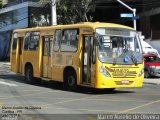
(47, 44)
(86, 61)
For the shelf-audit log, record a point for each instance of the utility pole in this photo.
(133, 10)
(54, 14)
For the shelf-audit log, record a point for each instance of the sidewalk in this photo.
(155, 81)
(5, 64)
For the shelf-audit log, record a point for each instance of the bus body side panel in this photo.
(15, 58)
(32, 57)
(57, 68)
(13, 61)
(49, 68)
(64, 60)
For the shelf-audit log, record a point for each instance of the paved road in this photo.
(48, 100)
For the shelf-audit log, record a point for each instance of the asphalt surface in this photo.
(48, 101)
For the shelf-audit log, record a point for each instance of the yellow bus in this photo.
(97, 55)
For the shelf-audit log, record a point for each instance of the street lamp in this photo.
(132, 9)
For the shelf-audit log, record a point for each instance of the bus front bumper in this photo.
(104, 82)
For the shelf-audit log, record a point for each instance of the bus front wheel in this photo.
(29, 74)
(70, 80)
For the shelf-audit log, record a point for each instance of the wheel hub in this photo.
(71, 80)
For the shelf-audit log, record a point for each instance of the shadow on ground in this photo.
(59, 85)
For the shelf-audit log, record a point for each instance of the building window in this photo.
(69, 40)
(57, 38)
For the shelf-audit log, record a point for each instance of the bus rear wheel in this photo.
(70, 80)
(29, 74)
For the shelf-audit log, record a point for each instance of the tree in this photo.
(0, 4)
(72, 11)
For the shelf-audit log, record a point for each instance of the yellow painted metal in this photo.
(53, 67)
(112, 82)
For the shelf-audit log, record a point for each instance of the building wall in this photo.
(5, 38)
(149, 19)
(14, 19)
(22, 15)
(8, 3)
(150, 4)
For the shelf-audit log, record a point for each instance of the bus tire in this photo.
(70, 80)
(29, 74)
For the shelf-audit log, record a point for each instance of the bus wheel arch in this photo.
(29, 75)
(70, 78)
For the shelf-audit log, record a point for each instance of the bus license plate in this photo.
(125, 81)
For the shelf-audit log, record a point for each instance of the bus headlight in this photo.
(104, 71)
(141, 72)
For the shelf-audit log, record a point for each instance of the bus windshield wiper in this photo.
(134, 59)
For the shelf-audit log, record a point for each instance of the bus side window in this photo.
(27, 40)
(34, 41)
(57, 38)
(69, 42)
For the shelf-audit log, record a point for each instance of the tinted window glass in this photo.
(57, 38)
(27, 40)
(34, 41)
(47, 45)
(69, 40)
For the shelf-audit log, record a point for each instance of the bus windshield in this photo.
(119, 46)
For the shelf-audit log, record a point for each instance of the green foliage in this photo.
(0, 4)
(45, 2)
(72, 11)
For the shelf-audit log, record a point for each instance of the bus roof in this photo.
(78, 25)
